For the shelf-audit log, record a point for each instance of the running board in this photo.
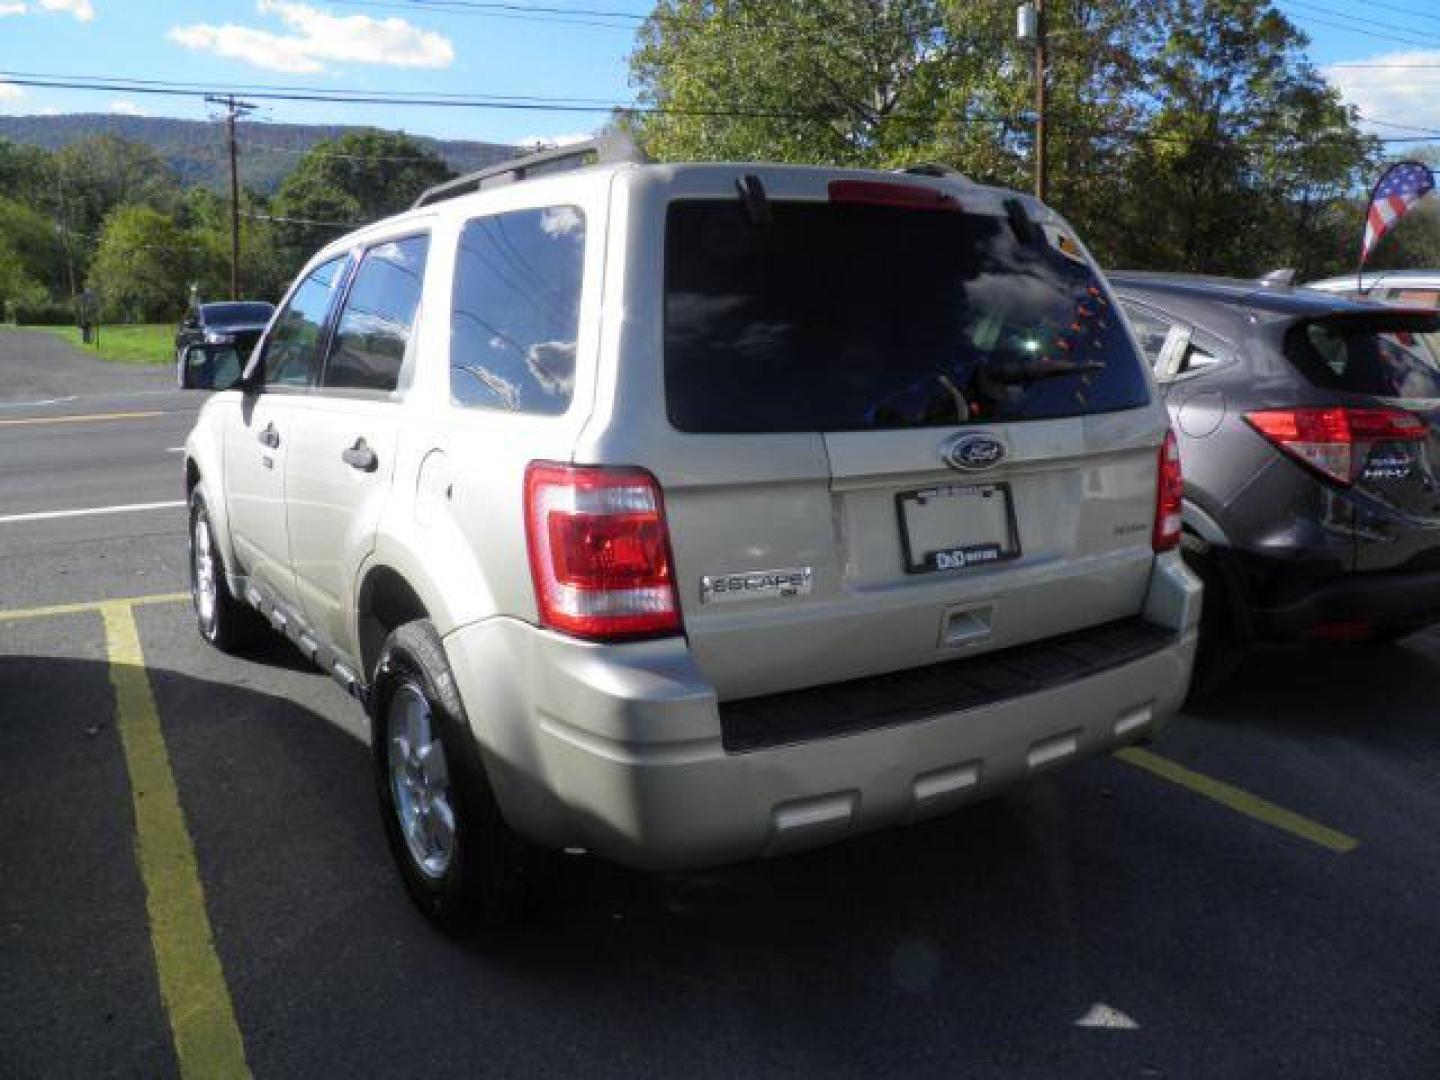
(313, 645)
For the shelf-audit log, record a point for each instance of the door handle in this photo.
(360, 456)
(269, 437)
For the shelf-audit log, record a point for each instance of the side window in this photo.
(378, 316)
(1151, 332)
(292, 352)
(515, 317)
(1420, 297)
(1195, 360)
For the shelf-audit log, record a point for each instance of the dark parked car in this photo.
(1309, 429)
(214, 341)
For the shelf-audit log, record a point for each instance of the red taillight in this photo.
(1335, 442)
(599, 551)
(884, 193)
(1169, 491)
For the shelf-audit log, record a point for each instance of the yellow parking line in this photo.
(1242, 802)
(80, 418)
(90, 605)
(192, 983)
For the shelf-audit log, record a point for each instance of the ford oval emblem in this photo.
(970, 453)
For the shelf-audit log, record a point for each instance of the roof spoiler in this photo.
(602, 150)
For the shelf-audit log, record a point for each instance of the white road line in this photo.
(47, 515)
(175, 450)
(32, 404)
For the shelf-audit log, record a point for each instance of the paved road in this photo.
(1103, 922)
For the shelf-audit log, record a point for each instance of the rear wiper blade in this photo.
(1028, 371)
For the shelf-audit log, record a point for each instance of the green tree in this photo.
(1188, 134)
(33, 245)
(264, 270)
(355, 179)
(1248, 154)
(19, 289)
(143, 265)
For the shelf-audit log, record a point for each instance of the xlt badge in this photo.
(755, 585)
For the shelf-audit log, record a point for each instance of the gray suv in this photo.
(691, 513)
(1308, 428)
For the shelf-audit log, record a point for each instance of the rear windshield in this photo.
(237, 314)
(1386, 356)
(851, 317)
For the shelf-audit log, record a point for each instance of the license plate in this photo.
(957, 527)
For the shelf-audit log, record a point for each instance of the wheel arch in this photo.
(385, 600)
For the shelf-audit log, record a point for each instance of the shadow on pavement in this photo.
(970, 945)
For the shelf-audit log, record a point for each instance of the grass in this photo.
(143, 343)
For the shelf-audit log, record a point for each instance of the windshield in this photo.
(849, 317)
(1394, 356)
(239, 314)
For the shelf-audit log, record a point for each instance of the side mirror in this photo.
(211, 368)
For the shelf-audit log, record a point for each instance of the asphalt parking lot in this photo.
(1253, 895)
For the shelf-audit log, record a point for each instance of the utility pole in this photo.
(1030, 30)
(1040, 78)
(234, 108)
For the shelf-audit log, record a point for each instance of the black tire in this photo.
(1223, 642)
(226, 622)
(486, 876)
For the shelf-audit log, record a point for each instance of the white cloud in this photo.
(81, 9)
(11, 9)
(561, 221)
(1399, 88)
(126, 108)
(317, 36)
(11, 92)
(50, 110)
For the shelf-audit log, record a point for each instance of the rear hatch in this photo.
(905, 426)
(1378, 375)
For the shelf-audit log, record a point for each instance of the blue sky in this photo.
(447, 47)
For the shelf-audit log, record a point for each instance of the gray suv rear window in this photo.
(1387, 356)
(836, 317)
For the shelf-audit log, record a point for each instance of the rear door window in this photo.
(836, 317)
(1384, 357)
(515, 316)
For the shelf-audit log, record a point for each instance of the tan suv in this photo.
(692, 513)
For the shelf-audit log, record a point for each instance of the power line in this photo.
(1404, 10)
(1347, 16)
(315, 151)
(303, 221)
(1307, 17)
(355, 98)
(508, 12)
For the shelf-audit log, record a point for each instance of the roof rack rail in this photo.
(602, 150)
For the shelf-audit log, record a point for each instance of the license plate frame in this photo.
(980, 548)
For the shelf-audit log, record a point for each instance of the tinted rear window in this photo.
(851, 317)
(1384, 357)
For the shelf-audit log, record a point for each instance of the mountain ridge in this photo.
(196, 149)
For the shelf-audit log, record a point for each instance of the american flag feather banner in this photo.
(1400, 187)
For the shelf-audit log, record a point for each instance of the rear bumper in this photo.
(622, 749)
(1380, 599)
